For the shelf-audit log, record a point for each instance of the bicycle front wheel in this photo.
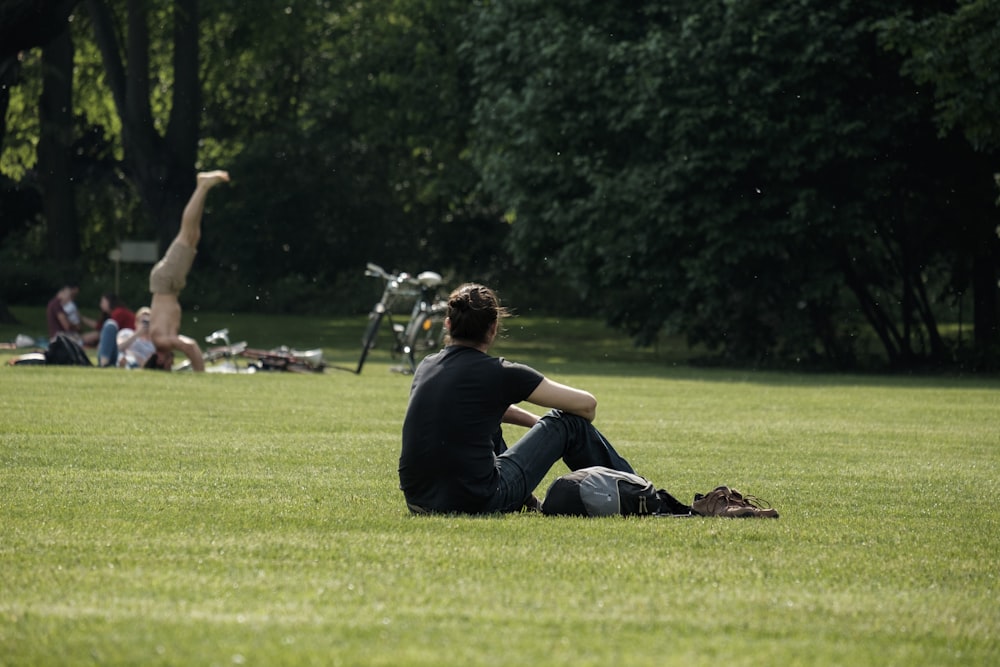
(426, 336)
(371, 333)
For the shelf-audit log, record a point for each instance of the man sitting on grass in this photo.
(453, 457)
(169, 276)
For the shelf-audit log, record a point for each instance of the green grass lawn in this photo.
(179, 519)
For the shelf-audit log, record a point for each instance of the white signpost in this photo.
(139, 252)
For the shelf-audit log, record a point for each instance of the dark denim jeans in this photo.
(107, 346)
(557, 435)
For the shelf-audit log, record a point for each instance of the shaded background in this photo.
(774, 183)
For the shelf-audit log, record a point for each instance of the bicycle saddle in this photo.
(429, 279)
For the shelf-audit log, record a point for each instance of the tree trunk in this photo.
(161, 168)
(877, 317)
(185, 110)
(976, 194)
(55, 149)
(986, 312)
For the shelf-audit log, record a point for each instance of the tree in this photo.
(753, 175)
(290, 112)
(25, 24)
(423, 88)
(9, 73)
(63, 136)
(345, 123)
(54, 154)
(955, 52)
(160, 165)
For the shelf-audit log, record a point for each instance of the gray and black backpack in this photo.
(600, 491)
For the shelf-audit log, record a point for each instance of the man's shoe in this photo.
(726, 502)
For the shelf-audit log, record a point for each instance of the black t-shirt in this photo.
(457, 400)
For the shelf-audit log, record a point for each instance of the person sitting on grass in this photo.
(134, 346)
(453, 457)
(116, 317)
(62, 315)
(169, 276)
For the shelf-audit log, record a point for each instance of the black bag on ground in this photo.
(64, 351)
(600, 491)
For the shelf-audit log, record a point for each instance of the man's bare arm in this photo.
(551, 394)
(519, 417)
(191, 350)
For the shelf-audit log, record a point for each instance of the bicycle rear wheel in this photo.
(426, 336)
(371, 333)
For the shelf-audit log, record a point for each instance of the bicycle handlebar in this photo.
(377, 271)
(402, 278)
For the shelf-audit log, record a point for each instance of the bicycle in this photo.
(226, 358)
(423, 333)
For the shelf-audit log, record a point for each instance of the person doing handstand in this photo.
(169, 276)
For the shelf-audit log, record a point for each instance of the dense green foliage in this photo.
(159, 519)
(773, 182)
(956, 53)
(757, 176)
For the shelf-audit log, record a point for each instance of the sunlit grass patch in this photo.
(150, 518)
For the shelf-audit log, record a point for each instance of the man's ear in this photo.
(447, 323)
